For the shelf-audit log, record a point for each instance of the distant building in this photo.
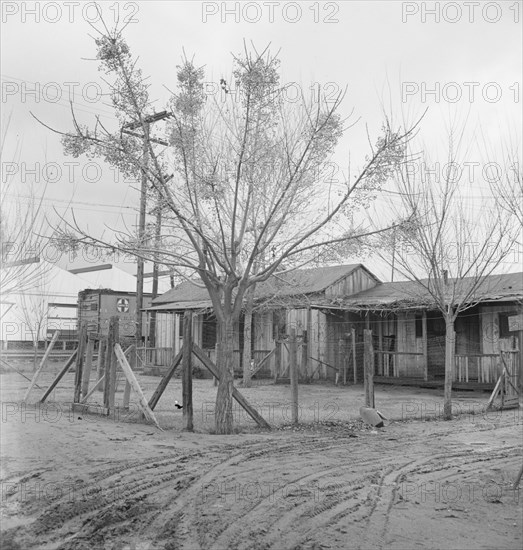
(51, 301)
(97, 306)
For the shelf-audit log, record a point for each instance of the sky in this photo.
(460, 60)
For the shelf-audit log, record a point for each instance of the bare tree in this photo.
(507, 186)
(449, 246)
(33, 305)
(22, 225)
(241, 180)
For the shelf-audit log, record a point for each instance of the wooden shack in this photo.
(410, 337)
(282, 303)
(329, 308)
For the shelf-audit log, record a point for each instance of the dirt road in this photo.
(106, 485)
(74, 481)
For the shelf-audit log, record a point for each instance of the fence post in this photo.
(353, 342)
(127, 388)
(114, 363)
(187, 372)
(303, 356)
(425, 346)
(100, 368)
(86, 374)
(214, 379)
(110, 364)
(277, 360)
(368, 364)
(342, 359)
(293, 368)
(79, 363)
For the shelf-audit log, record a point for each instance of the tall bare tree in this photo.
(242, 180)
(449, 245)
(22, 224)
(507, 186)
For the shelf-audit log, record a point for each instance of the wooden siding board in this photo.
(352, 283)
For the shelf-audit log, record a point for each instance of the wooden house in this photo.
(330, 307)
(409, 332)
(282, 303)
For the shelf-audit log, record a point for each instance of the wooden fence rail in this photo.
(390, 360)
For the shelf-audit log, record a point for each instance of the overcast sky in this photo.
(387, 54)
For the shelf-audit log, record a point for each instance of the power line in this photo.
(81, 105)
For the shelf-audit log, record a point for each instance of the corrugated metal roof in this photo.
(294, 283)
(181, 306)
(410, 294)
(301, 288)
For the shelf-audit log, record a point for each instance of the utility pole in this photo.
(157, 239)
(141, 230)
(129, 129)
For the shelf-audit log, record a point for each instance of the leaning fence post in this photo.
(100, 368)
(127, 388)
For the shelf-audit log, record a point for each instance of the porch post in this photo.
(425, 345)
(380, 344)
(353, 345)
(308, 347)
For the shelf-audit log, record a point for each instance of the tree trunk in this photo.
(450, 344)
(225, 364)
(247, 338)
(35, 355)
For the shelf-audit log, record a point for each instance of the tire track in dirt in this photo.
(191, 499)
(228, 535)
(235, 532)
(334, 511)
(379, 516)
(161, 499)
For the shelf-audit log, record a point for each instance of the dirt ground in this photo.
(72, 481)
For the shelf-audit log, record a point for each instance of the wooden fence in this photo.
(388, 362)
(484, 367)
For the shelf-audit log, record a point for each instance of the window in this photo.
(419, 325)
(504, 329)
(209, 332)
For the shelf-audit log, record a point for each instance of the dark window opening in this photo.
(504, 329)
(419, 325)
(209, 332)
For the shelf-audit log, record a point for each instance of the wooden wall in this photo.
(354, 282)
(406, 341)
(490, 337)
